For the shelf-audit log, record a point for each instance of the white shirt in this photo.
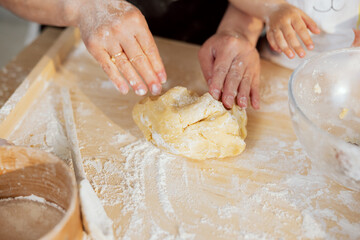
(335, 18)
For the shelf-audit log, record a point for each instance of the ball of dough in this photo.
(196, 127)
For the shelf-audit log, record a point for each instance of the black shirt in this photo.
(186, 20)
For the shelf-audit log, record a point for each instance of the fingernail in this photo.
(123, 90)
(301, 54)
(162, 77)
(243, 102)
(155, 89)
(311, 47)
(140, 91)
(215, 93)
(291, 54)
(132, 83)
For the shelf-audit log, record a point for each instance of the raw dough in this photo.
(183, 123)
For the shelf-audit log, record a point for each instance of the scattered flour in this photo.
(312, 229)
(273, 93)
(155, 195)
(107, 84)
(156, 189)
(45, 129)
(317, 88)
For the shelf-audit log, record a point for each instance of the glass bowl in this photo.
(324, 102)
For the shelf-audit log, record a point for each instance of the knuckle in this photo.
(151, 51)
(273, 27)
(306, 38)
(230, 90)
(220, 70)
(136, 16)
(215, 86)
(279, 37)
(139, 60)
(295, 44)
(116, 26)
(289, 35)
(246, 78)
(231, 41)
(104, 31)
(284, 18)
(122, 63)
(298, 49)
(255, 84)
(283, 47)
(91, 42)
(302, 29)
(235, 71)
(150, 78)
(107, 68)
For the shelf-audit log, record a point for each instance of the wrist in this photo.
(271, 9)
(72, 12)
(239, 24)
(245, 41)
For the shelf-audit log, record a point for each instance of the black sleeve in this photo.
(186, 20)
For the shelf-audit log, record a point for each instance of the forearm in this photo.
(257, 8)
(238, 23)
(50, 12)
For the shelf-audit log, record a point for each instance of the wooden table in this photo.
(270, 191)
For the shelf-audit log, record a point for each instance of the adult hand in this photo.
(117, 35)
(231, 66)
(284, 22)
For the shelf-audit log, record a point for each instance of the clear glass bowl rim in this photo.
(293, 102)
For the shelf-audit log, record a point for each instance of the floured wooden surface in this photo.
(269, 191)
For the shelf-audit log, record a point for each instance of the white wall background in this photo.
(15, 34)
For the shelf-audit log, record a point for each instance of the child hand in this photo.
(283, 24)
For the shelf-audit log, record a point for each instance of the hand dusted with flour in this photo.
(114, 31)
(183, 123)
(117, 35)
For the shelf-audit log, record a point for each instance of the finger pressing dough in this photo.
(183, 123)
